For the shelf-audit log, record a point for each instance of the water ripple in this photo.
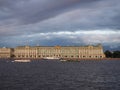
(55, 75)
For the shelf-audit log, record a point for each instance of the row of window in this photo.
(65, 56)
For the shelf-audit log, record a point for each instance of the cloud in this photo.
(110, 38)
(69, 21)
(32, 11)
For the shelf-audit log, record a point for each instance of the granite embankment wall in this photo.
(92, 58)
(64, 58)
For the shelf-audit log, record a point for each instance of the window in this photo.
(65, 56)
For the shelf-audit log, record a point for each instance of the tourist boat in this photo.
(51, 58)
(22, 60)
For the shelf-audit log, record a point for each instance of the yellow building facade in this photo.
(59, 52)
(5, 52)
(25, 52)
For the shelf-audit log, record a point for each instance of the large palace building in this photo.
(42, 52)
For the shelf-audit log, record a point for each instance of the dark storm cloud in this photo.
(32, 11)
(93, 14)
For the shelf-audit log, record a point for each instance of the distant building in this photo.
(80, 52)
(5, 52)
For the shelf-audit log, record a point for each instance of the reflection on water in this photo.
(56, 75)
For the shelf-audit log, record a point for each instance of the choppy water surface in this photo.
(56, 75)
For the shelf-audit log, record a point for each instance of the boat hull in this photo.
(22, 61)
(51, 58)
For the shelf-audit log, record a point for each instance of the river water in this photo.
(56, 75)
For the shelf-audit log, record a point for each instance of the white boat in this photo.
(52, 58)
(22, 60)
(63, 60)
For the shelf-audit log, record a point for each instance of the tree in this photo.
(116, 54)
(108, 54)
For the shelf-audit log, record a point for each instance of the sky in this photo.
(60, 22)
